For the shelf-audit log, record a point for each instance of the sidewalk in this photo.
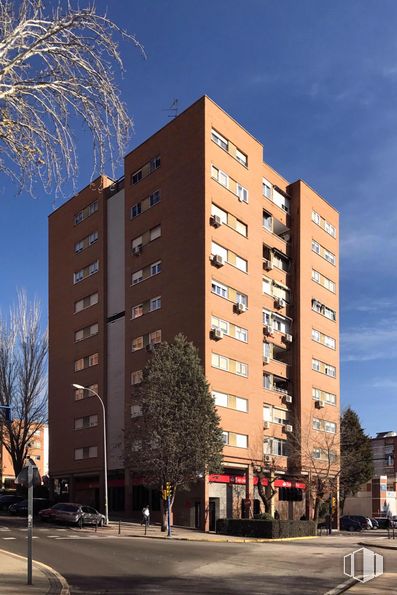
(131, 529)
(387, 583)
(13, 577)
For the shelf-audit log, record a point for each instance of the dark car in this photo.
(21, 508)
(72, 514)
(375, 524)
(7, 499)
(358, 518)
(349, 524)
(385, 522)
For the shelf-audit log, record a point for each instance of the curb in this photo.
(57, 583)
(221, 539)
(377, 545)
(342, 587)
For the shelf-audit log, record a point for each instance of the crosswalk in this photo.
(16, 533)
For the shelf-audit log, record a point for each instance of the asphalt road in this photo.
(95, 563)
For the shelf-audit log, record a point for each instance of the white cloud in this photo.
(370, 342)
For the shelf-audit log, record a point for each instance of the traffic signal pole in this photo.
(169, 516)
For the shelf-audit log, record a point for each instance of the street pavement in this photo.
(108, 562)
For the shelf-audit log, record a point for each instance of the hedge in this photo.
(268, 529)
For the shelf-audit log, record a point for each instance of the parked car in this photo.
(7, 499)
(364, 521)
(72, 514)
(349, 524)
(21, 508)
(375, 524)
(383, 522)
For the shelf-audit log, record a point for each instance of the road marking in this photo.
(33, 537)
(5, 529)
(8, 538)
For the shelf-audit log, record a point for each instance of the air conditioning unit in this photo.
(266, 359)
(240, 308)
(279, 302)
(268, 330)
(287, 429)
(217, 260)
(320, 404)
(287, 399)
(215, 221)
(150, 347)
(217, 334)
(137, 250)
(267, 265)
(287, 338)
(266, 425)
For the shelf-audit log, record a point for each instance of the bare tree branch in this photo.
(23, 382)
(52, 69)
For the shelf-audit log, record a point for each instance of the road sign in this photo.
(23, 476)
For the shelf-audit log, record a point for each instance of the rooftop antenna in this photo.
(173, 109)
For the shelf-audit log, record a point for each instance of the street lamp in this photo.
(105, 464)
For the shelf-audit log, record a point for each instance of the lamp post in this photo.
(105, 464)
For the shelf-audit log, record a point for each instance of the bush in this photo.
(264, 516)
(270, 529)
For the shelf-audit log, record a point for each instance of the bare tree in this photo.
(23, 357)
(267, 471)
(314, 453)
(54, 68)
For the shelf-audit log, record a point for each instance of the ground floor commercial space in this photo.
(232, 494)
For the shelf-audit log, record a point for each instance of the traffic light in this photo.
(333, 504)
(167, 491)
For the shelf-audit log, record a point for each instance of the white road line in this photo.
(53, 536)
(33, 537)
(8, 538)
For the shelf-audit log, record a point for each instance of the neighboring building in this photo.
(378, 497)
(38, 451)
(202, 237)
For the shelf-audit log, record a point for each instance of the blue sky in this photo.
(316, 82)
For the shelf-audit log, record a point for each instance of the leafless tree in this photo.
(23, 357)
(314, 453)
(56, 67)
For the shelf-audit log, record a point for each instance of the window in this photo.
(81, 393)
(86, 302)
(280, 260)
(241, 228)
(324, 339)
(242, 193)
(86, 362)
(322, 395)
(329, 342)
(220, 176)
(155, 337)
(88, 452)
(316, 365)
(136, 210)
(241, 298)
(86, 272)
(146, 170)
(220, 213)
(316, 424)
(136, 377)
(79, 246)
(154, 198)
(137, 311)
(275, 447)
(316, 335)
(324, 224)
(241, 369)
(155, 303)
(267, 221)
(267, 381)
(323, 310)
(267, 285)
(218, 361)
(137, 277)
(281, 324)
(86, 212)
(330, 427)
(155, 232)
(330, 370)
(315, 247)
(230, 401)
(241, 334)
(219, 289)
(267, 189)
(136, 242)
(219, 251)
(241, 157)
(233, 439)
(155, 268)
(89, 421)
(137, 344)
(316, 217)
(223, 325)
(329, 256)
(241, 264)
(315, 276)
(219, 140)
(280, 200)
(86, 332)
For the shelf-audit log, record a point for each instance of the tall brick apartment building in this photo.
(202, 237)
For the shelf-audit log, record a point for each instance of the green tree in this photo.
(356, 456)
(176, 436)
